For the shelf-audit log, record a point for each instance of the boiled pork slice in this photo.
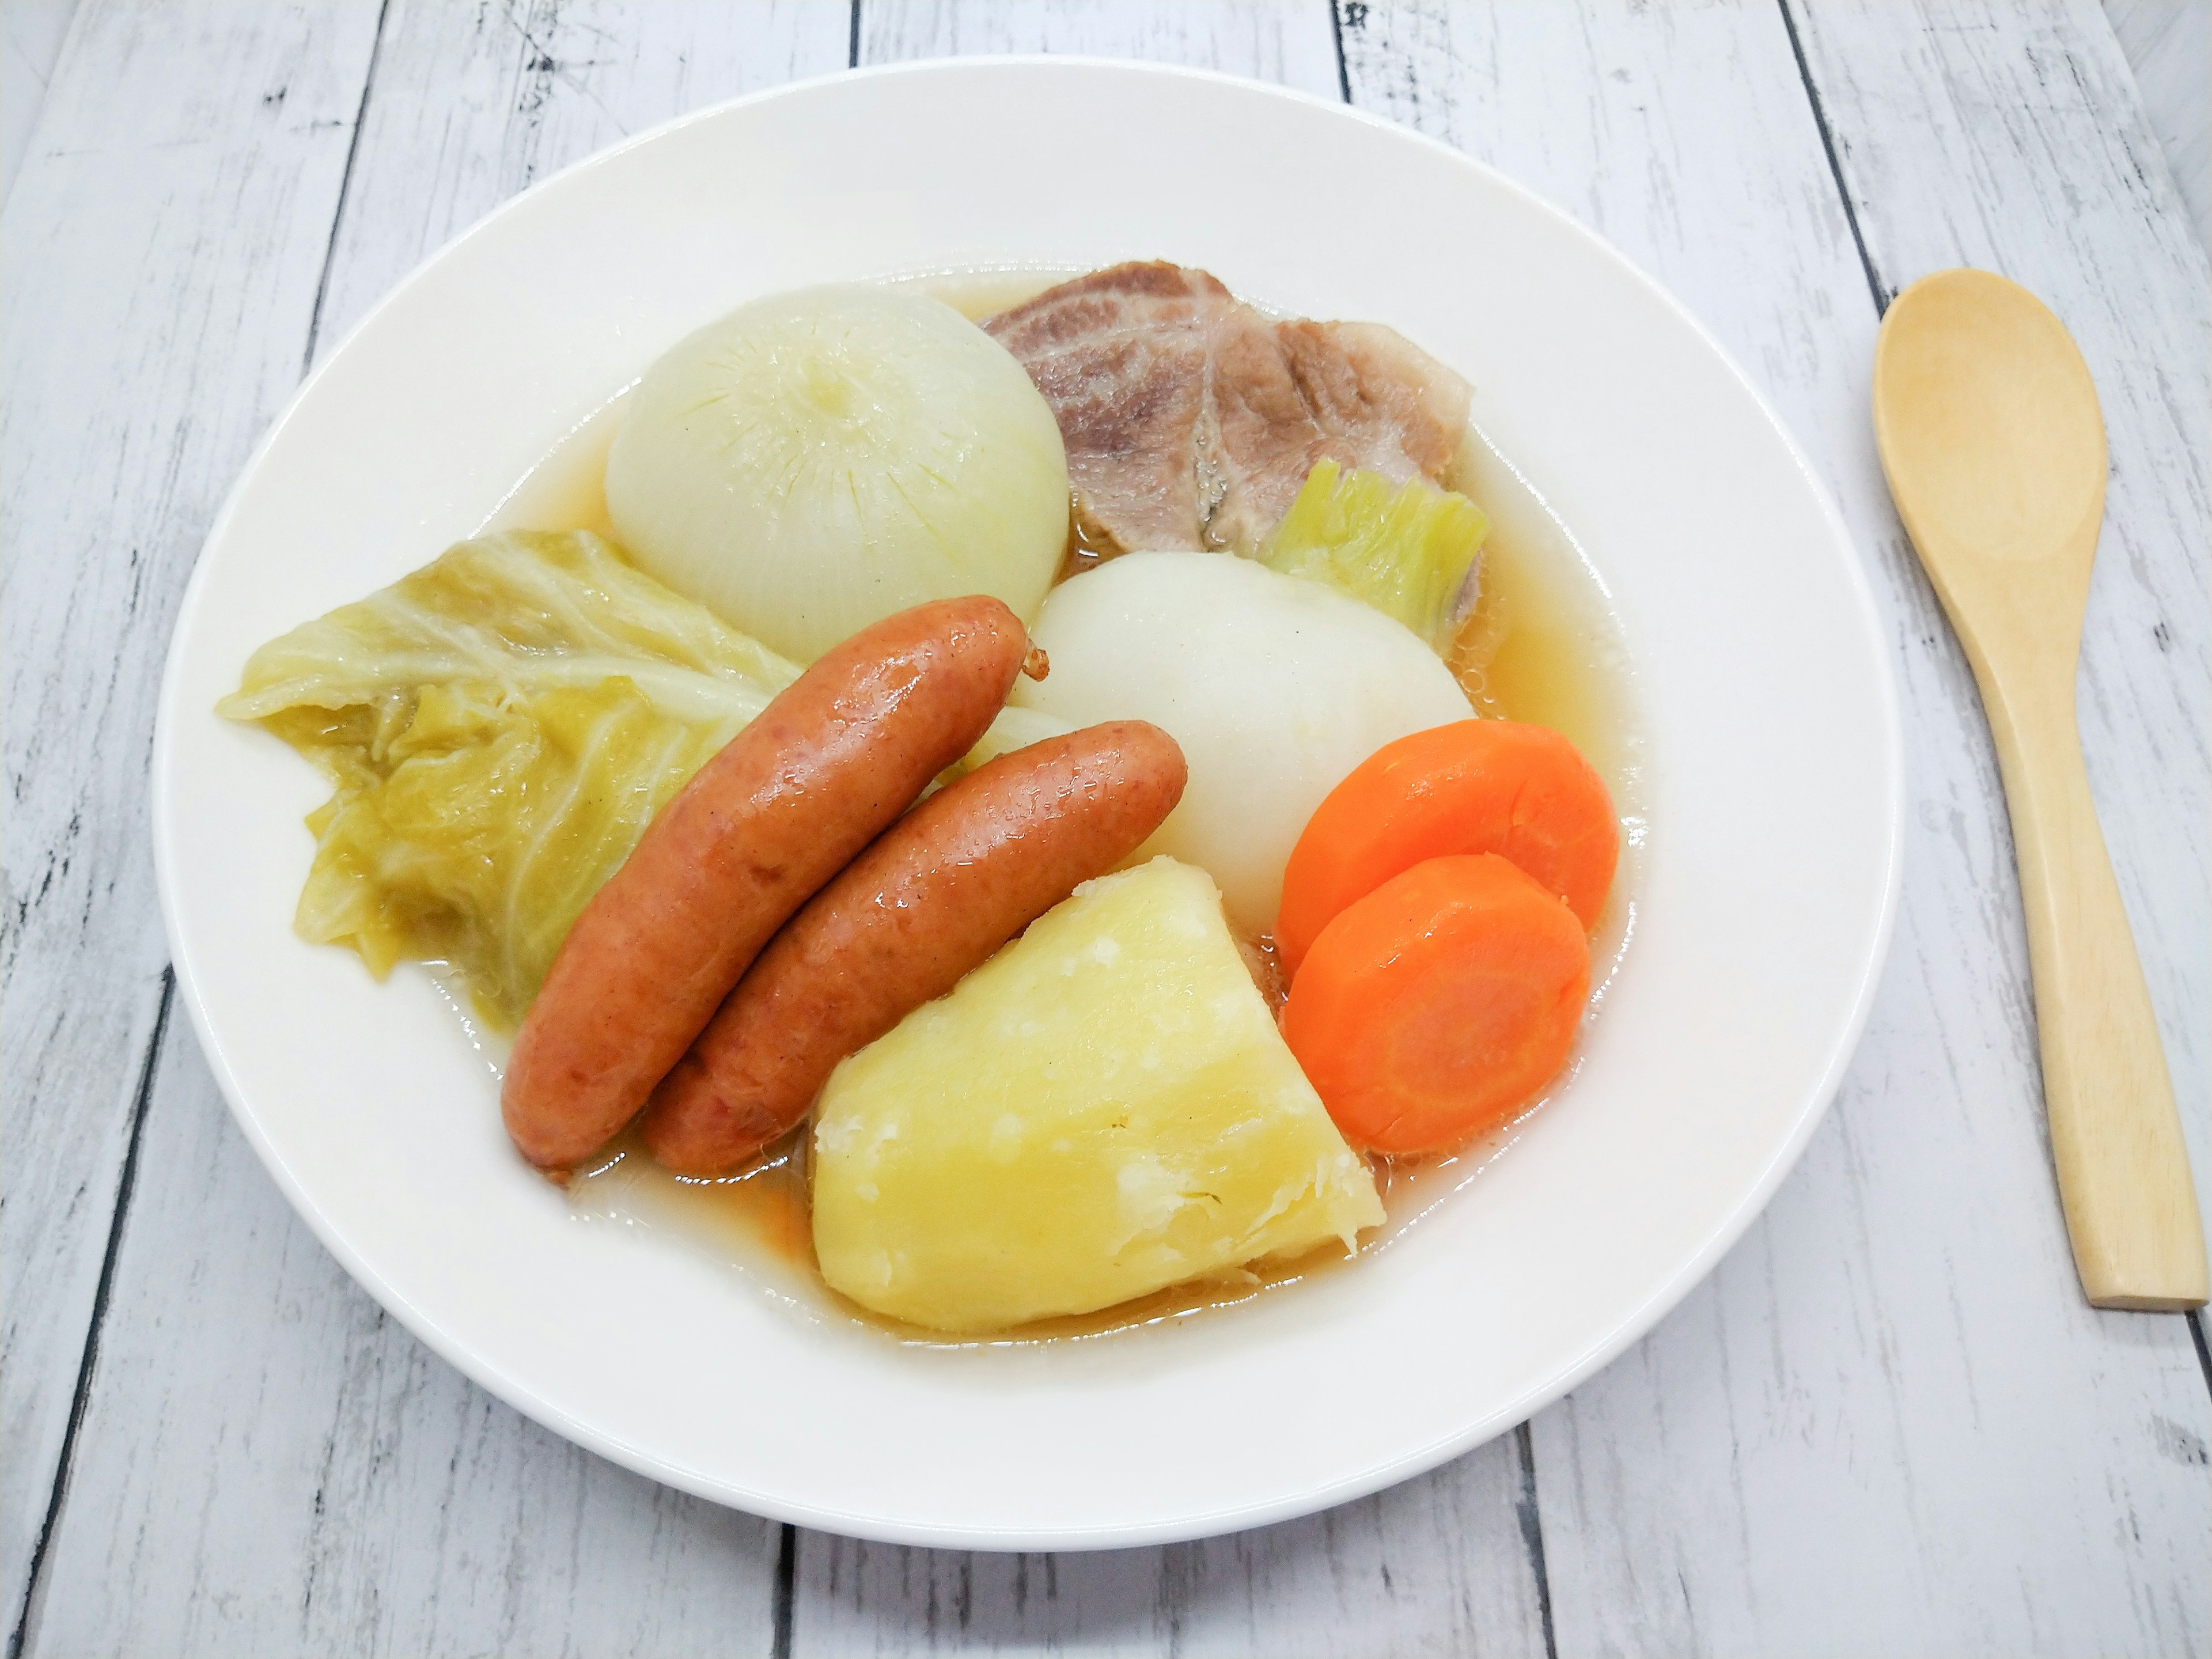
(1191, 419)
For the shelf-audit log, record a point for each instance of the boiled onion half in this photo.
(1274, 686)
(818, 459)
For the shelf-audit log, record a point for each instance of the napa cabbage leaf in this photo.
(1406, 549)
(499, 728)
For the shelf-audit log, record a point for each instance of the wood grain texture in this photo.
(1437, 1565)
(271, 1466)
(476, 101)
(269, 1462)
(1289, 41)
(1886, 1423)
(160, 271)
(1937, 125)
(2168, 45)
(31, 34)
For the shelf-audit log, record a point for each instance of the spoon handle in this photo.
(2115, 1136)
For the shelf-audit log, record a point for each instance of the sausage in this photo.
(936, 895)
(839, 754)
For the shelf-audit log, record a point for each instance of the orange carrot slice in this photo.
(1438, 1006)
(1522, 792)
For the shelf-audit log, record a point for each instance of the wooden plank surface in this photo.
(1437, 1565)
(476, 101)
(1886, 1423)
(271, 1466)
(2037, 115)
(31, 34)
(159, 272)
(270, 1462)
(2037, 110)
(1292, 42)
(1849, 1347)
(2168, 45)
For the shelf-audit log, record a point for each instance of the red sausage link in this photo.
(938, 893)
(843, 751)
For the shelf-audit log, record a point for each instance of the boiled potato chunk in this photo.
(1102, 1109)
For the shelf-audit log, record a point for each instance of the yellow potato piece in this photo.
(1103, 1108)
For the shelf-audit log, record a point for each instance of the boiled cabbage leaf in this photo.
(1405, 549)
(500, 726)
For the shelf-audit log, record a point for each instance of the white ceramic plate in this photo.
(1767, 888)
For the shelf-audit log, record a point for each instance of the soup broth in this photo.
(1541, 645)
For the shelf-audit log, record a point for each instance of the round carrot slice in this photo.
(1439, 1006)
(1522, 792)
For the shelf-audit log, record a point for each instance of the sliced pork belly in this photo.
(1191, 420)
(1123, 357)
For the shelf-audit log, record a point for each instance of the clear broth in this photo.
(1542, 644)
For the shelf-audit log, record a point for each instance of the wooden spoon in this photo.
(1994, 447)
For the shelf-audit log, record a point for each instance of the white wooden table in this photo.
(1887, 1424)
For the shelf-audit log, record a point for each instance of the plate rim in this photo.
(518, 1393)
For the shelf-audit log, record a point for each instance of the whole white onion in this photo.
(1275, 686)
(817, 460)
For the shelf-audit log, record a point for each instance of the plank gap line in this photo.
(345, 183)
(89, 1360)
(786, 1553)
(1835, 164)
(1882, 296)
(853, 38)
(1336, 34)
(1532, 1535)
